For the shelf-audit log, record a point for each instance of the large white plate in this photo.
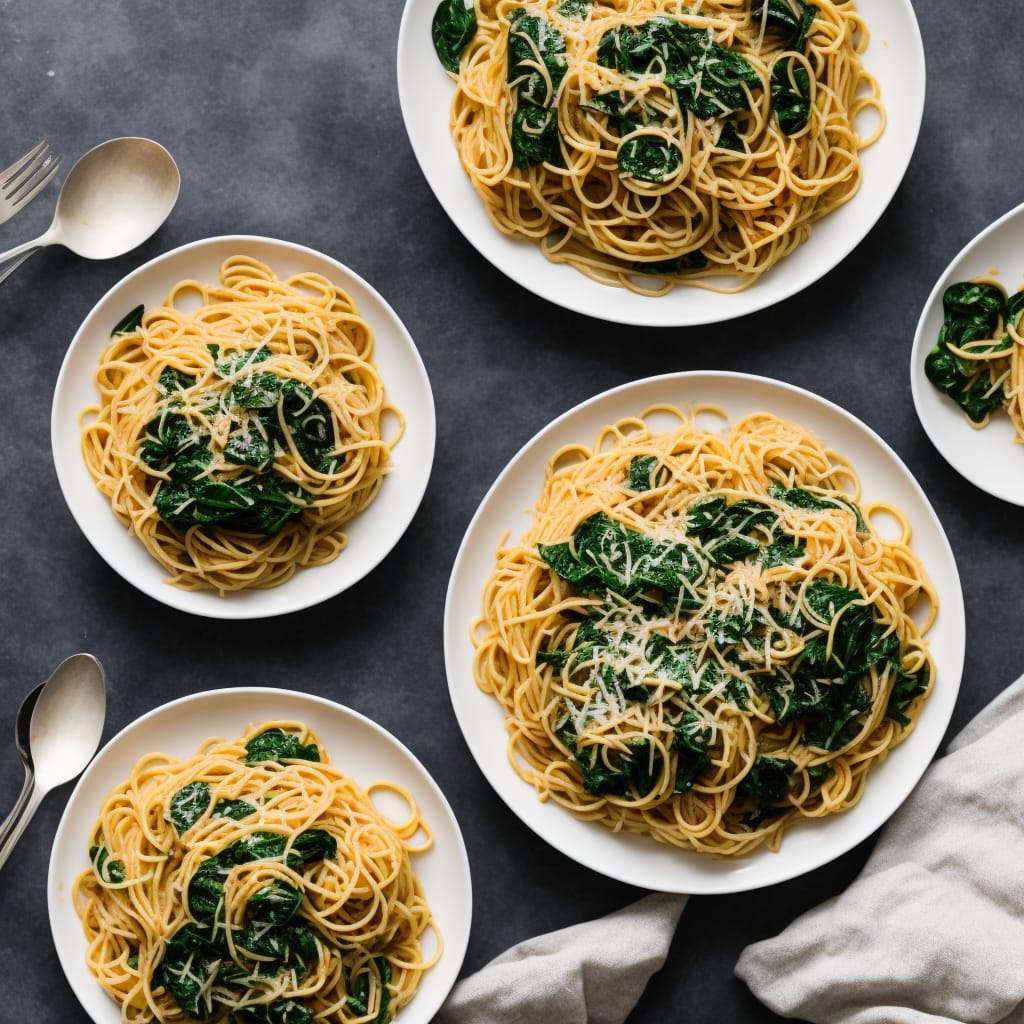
(988, 457)
(372, 534)
(895, 56)
(640, 860)
(356, 746)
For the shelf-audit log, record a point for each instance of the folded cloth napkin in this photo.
(573, 976)
(933, 928)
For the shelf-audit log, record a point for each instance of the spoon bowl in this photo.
(57, 731)
(67, 722)
(112, 200)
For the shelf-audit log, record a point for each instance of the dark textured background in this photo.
(284, 120)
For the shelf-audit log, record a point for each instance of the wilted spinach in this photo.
(791, 18)
(188, 805)
(974, 319)
(132, 321)
(533, 41)
(277, 745)
(452, 29)
(791, 94)
(270, 414)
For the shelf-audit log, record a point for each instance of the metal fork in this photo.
(26, 178)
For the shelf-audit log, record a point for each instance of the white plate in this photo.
(640, 860)
(357, 746)
(372, 534)
(895, 56)
(988, 457)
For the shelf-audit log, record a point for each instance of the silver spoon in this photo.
(58, 729)
(112, 200)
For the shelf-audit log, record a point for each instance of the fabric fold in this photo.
(589, 973)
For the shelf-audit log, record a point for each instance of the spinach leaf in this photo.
(276, 903)
(452, 29)
(604, 555)
(791, 95)
(577, 9)
(709, 79)
(645, 472)
(533, 41)
(733, 532)
(691, 740)
(798, 497)
(188, 805)
(608, 772)
(651, 158)
(358, 998)
(973, 312)
(236, 809)
(190, 962)
(310, 845)
(107, 870)
(277, 745)
(768, 779)
(792, 18)
(289, 947)
(280, 1011)
(907, 686)
(130, 323)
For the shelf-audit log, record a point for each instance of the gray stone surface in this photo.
(285, 121)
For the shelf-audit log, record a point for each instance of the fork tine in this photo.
(36, 185)
(32, 157)
(24, 177)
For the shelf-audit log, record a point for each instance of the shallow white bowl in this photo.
(371, 534)
(640, 860)
(355, 745)
(895, 57)
(987, 457)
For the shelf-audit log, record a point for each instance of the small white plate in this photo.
(987, 457)
(355, 745)
(895, 56)
(639, 860)
(371, 534)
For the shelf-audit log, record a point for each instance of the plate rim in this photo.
(924, 392)
(736, 875)
(60, 908)
(637, 310)
(258, 603)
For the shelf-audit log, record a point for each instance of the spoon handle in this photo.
(7, 271)
(16, 822)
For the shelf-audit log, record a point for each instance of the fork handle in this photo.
(11, 268)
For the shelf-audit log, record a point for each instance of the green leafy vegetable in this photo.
(277, 745)
(709, 79)
(792, 18)
(653, 157)
(975, 315)
(452, 30)
(358, 999)
(107, 870)
(188, 805)
(236, 809)
(791, 94)
(130, 323)
(604, 555)
(533, 43)
(768, 779)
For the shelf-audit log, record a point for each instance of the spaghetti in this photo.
(704, 638)
(239, 426)
(650, 143)
(253, 882)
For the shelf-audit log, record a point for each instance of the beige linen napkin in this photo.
(933, 928)
(577, 975)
